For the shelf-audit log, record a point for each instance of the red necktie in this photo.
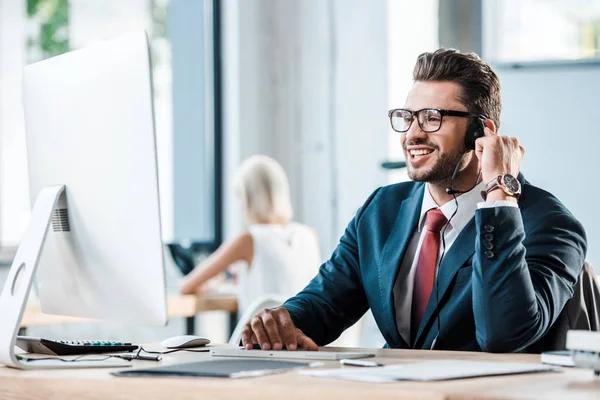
(425, 273)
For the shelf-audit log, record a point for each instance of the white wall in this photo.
(306, 83)
(558, 126)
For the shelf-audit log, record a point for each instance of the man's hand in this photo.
(498, 155)
(272, 328)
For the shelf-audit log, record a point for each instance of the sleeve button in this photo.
(488, 237)
(489, 228)
(488, 245)
(489, 254)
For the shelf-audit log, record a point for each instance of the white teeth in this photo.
(420, 152)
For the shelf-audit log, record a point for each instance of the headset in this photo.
(474, 131)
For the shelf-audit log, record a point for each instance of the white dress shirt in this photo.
(403, 287)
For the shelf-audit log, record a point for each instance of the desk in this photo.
(177, 306)
(99, 384)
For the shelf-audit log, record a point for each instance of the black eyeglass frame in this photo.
(443, 113)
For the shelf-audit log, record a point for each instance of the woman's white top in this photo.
(286, 258)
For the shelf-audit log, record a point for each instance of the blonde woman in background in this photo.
(278, 256)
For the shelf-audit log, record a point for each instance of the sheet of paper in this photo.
(86, 361)
(231, 368)
(428, 371)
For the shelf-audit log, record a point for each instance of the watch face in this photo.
(511, 183)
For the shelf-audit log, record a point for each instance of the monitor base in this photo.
(14, 296)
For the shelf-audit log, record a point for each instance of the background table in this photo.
(186, 306)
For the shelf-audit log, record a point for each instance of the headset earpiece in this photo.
(474, 132)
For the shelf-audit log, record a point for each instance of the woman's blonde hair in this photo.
(263, 188)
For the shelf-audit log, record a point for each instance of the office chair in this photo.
(266, 301)
(582, 312)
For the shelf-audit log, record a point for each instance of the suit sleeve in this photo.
(335, 299)
(522, 280)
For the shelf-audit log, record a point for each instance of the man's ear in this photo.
(490, 125)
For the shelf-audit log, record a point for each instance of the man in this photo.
(440, 271)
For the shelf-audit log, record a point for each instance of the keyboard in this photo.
(284, 354)
(71, 347)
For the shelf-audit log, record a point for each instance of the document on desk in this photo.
(218, 369)
(428, 371)
(86, 361)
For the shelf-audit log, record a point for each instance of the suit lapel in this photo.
(392, 253)
(462, 249)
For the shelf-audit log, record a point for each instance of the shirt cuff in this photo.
(498, 203)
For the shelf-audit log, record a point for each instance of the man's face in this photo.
(432, 157)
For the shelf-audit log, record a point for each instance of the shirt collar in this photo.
(467, 204)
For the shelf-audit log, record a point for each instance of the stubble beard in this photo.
(441, 172)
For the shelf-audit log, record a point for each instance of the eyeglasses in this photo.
(429, 119)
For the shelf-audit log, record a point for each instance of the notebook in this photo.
(217, 369)
(428, 371)
(563, 358)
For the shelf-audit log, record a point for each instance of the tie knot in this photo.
(435, 220)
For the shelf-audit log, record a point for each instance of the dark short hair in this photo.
(480, 86)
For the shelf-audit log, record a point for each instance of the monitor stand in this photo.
(13, 298)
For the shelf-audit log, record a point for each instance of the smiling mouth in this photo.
(418, 154)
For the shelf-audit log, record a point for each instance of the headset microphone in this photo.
(474, 132)
(450, 190)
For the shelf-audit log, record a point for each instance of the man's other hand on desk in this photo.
(272, 328)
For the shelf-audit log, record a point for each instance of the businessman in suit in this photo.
(467, 256)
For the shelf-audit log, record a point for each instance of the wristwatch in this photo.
(506, 182)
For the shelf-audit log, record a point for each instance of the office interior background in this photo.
(309, 83)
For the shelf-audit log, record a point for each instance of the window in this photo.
(14, 201)
(182, 47)
(412, 30)
(541, 30)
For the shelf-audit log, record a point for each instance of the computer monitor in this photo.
(92, 169)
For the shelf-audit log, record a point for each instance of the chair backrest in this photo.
(266, 301)
(582, 311)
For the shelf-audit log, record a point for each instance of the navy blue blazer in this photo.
(504, 300)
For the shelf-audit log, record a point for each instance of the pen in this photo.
(360, 363)
(149, 358)
(130, 357)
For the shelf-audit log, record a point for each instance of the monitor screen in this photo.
(90, 127)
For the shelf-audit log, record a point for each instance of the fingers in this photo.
(479, 144)
(272, 332)
(305, 342)
(517, 145)
(287, 330)
(274, 328)
(271, 329)
(261, 334)
(248, 337)
(488, 132)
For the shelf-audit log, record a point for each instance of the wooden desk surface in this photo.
(99, 384)
(177, 306)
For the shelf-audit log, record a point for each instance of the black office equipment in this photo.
(185, 256)
(69, 347)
